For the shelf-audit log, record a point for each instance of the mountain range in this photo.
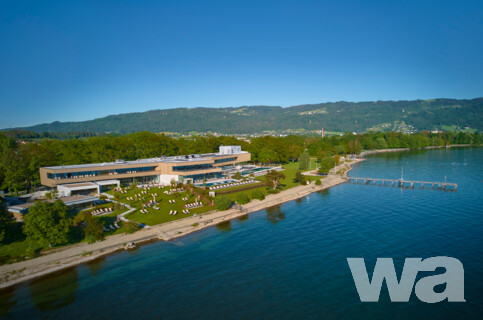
(332, 116)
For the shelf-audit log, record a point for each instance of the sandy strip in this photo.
(12, 274)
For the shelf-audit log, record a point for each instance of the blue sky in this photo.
(79, 60)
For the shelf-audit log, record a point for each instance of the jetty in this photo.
(400, 183)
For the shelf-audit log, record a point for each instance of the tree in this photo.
(321, 154)
(318, 182)
(273, 178)
(339, 149)
(354, 146)
(258, 194)
(380, 143)
(94, 227)
(337, 159)
(47, 223)
(242, 198)
(223, 202)
(300, 178)
(293, 152)
(326, 164)
(5, 219)
(304, 161)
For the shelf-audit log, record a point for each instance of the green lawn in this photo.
(162, 215)
(290, 169)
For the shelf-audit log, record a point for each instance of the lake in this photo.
(289, 261)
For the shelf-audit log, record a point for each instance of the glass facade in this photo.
(193, 167)
(226, 160)
(95, 173)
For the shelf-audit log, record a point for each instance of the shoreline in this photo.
(76, 254)
(369, 152)
(13, 274)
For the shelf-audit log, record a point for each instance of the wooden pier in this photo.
(410, 184)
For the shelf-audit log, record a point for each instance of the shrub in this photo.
(242, 198)
(31, 252)
(258, 194)
(318, 182)
(223, 202)
(131, 227)
(90, 238)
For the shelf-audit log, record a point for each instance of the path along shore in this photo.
(67, 257)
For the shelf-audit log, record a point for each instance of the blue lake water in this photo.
(289, 262)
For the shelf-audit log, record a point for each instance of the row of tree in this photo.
(20, 162)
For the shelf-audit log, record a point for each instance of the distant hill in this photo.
(333, 116)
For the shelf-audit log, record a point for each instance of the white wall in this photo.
(165, 179)
(230, 149)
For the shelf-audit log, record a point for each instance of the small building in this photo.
(76, 202)
(85, 188)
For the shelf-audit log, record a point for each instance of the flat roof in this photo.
(173, 159)
(80, 185)
(69, 201)
(107, 182)
(88, 185)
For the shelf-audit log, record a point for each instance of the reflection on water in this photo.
(324, 193)
(224, 226)
(54, 292)
(275, 214)
(96, 265)
(7, 300)
(305, 278)
(243, 218)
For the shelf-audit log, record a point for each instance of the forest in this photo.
(20, 161)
